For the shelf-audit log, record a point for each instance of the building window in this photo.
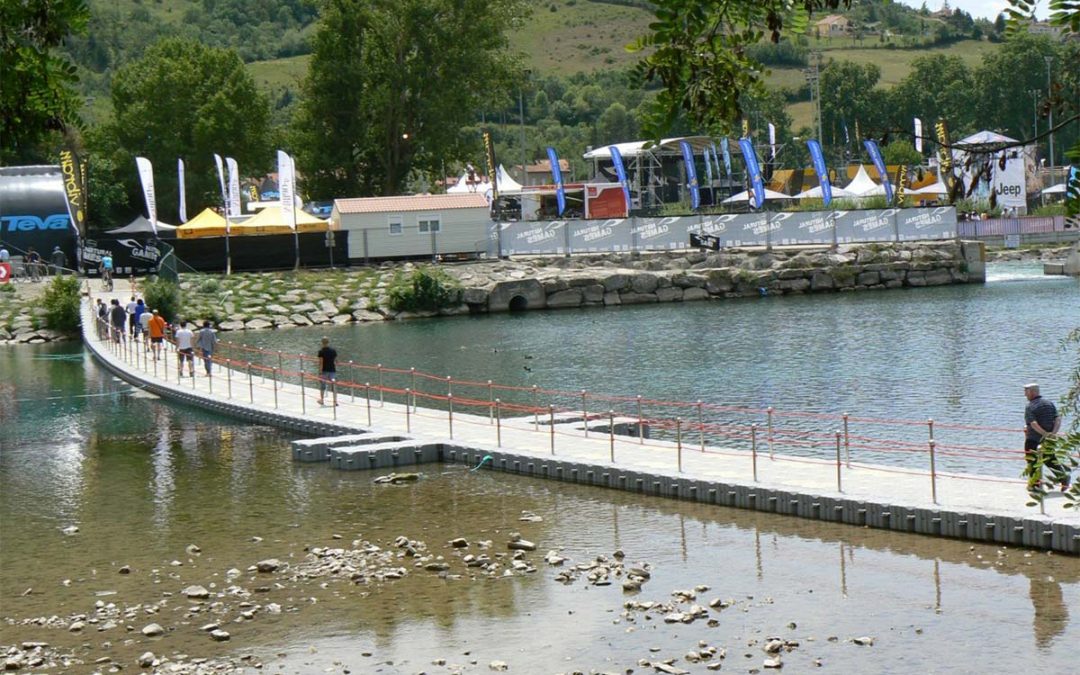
(429, 224)
(396, 224)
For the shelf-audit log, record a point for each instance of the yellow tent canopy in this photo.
(271, 220)
(208, 223)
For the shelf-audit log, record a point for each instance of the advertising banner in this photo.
(234, 188)
(691, 175)
(556, 175)
(146, 177)
(492, 167)
(820, 169)
(918, 135)
(727, 156)
(866, 225)
(529, 237)
(620, 171)
(74, 188)
(879, 164)
(1008, 182)
(286, 187)
(932, 223)
(597, 236)
(130, 256)
(753, 170)
(183, 198)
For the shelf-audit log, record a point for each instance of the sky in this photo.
(979, 9)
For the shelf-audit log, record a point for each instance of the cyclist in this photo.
(106, 269)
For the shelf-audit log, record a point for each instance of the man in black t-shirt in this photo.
(1041, 419)
(327, 369)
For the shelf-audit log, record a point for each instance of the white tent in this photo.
(815, 193)
(635, 148)
(937, 188)
(505, 182)
(864, 186)
(463, 186)
(1058, 189)
(744, 196)
(507, 185)
(983, 138)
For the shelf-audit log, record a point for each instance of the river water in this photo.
(143, 480)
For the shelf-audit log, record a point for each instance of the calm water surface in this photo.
(143, 479)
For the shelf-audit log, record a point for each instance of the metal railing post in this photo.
(279, 366)
(228, 378)
(491, 410)
(551, 412)
(352, 390)
(449, 385)
(333, 392)
(165, 359)
(933, 473)
(847, 442)
(839, 487)
(379, 368)
(585, 412)
(498, 423)
(536, 409)
(251, 385)
(367, 395)
(770, 431)
(678, 443)
(275, 388)
(450, 413)
(611, 433)
(210, 376)
(408, 420)
(640, 422)
(753, 448)
(701, 423)
(303, 395)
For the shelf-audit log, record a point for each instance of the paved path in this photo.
(973, 507)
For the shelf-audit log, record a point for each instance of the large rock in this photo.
(644, 283)
(530, 293)
(300, 319)
(718, 282)
(616, 282)
(305, 308)
(798, 285)
(258, 324)
(571, 297)
(692, 294)
(821, 281)
(593, 294)
(231, 325)
(367, 315)
(612, 298)
(328, 308)
(474, 296)
(340, 319)
(632, 298)
(938, 277)
(669, 294)
(867, 278)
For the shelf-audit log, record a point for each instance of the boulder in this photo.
(570, 297)
(196, 593)
(367, 315)
(669, 294)
(821, 281)
(718, 282)
(231, 325)
(692, 294)
(616, 282)
(612, 298)
(593, 294)
(328, 308)
(474, 296)
(300, 319)
(938, 277)
(867, 278)
(632, 298)
(258, 324)
(644, 283)
(341, 319)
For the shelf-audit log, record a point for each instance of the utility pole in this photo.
(1050, 99)
(813, 78)
(521, 113)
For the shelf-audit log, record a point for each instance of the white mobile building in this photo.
(413, 226)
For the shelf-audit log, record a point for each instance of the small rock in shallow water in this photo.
(269, 565)
(219, 635)
(498, 665)
(196, 593)
(152, 630)
(865, 641)
(146, 660)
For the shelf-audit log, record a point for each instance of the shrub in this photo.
(210, 286)
(425, 290)
(61, 303)
(162, 295)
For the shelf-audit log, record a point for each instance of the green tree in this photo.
(937, 86)
(697, 54)
(183, 99)
(849, 95)
(615, 125)
(901, 151)
(37, 86)
(392, 86)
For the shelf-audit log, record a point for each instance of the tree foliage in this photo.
(185, 100)
(37, 85)
(697, 54)
(392, 86)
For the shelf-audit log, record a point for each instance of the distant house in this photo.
(833, 25)
(540, 173)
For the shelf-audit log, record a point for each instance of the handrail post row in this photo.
(839, 487)
(678, 443)
(251, 385)
(551, 413)
(408, 420)
(491, 410)
(769, 410)
(536, 408)
(640, 422)
(611, 433)
(933, 472)
(701, 423)
(379, 368)
(367, 395)
(498, 422)
(303, 395)
(450, 413)
(753, 448)
(847, 442)
(585, 412)
(275, 373)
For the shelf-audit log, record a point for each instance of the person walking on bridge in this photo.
(1041, 419)
(118, 317)
(185, 349)
(156, 328)
(207, 341)
(327, 369)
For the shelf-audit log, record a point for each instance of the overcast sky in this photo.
(985, 9)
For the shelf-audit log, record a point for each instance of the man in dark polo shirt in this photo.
(1040, 419)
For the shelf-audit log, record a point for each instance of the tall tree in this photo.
(697, 53)
(184, 99)
(392, 85)
(37, 86)
(937, 86)
(849, 95)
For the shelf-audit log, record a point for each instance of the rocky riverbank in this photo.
(262, 301)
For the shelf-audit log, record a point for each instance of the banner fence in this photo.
(780, 228)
